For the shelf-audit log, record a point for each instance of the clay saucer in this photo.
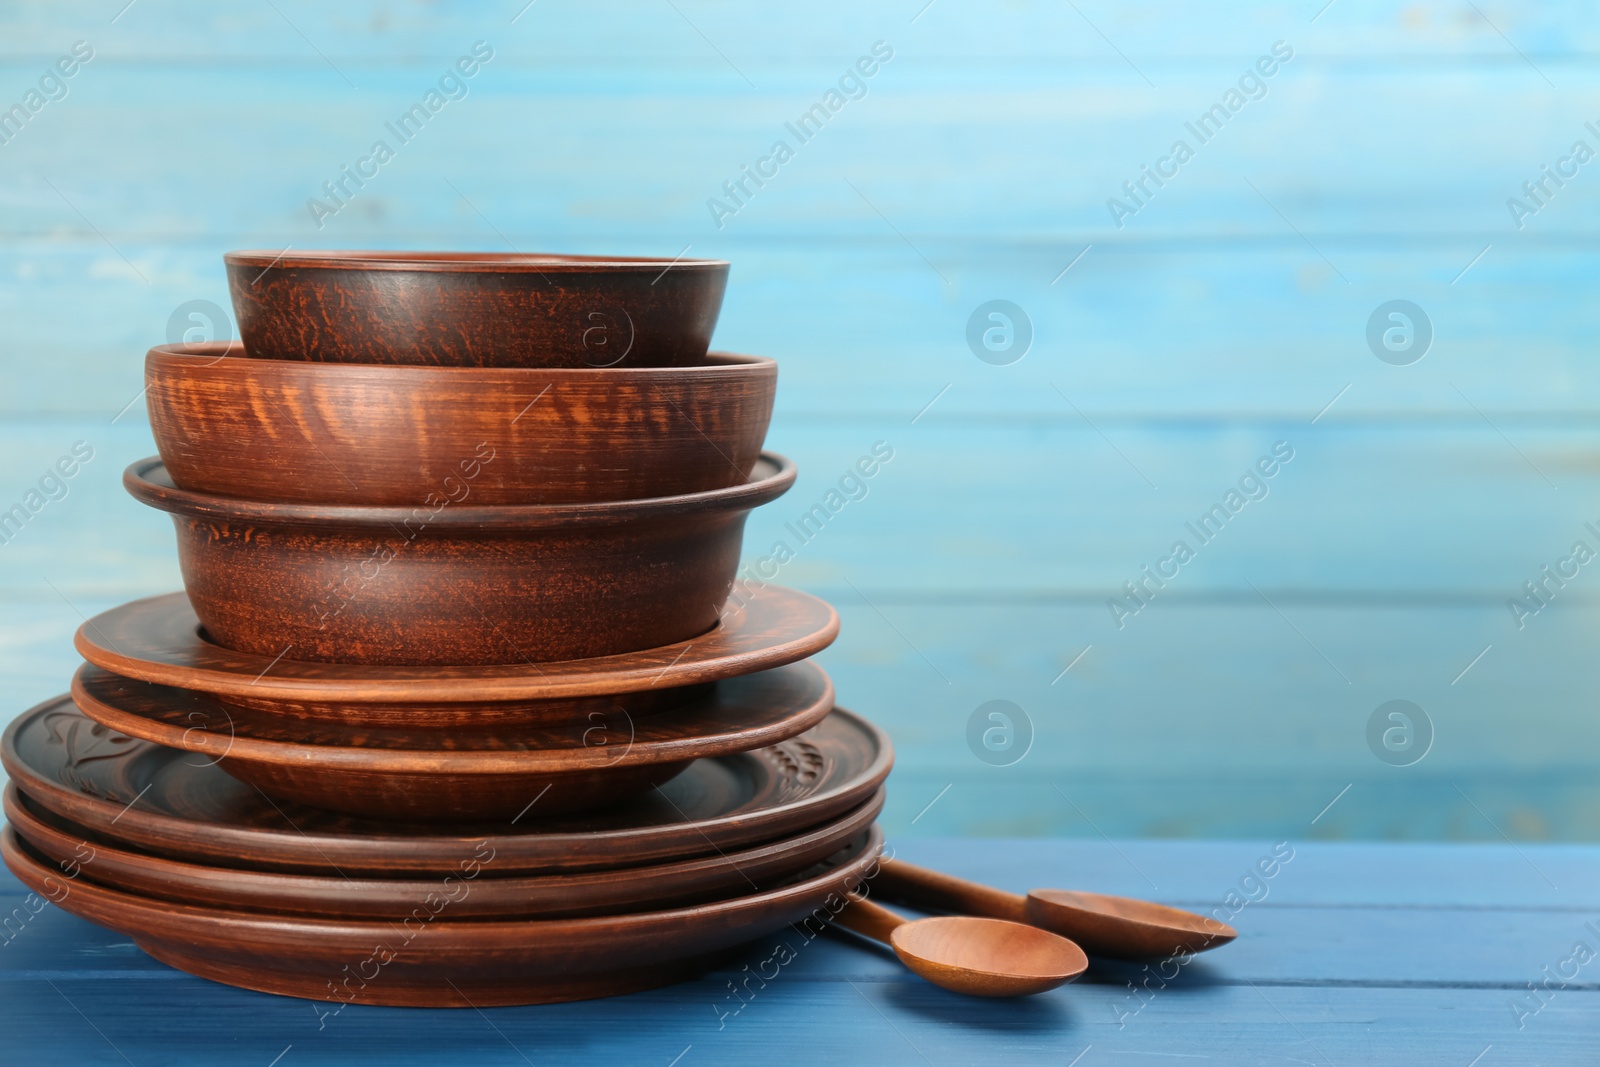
(653, 886)
(451, 776)
(452, 582)
(435, 960)
(160, 640)
(178, 804)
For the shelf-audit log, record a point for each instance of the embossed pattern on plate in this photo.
(465, 774)
(175, 803)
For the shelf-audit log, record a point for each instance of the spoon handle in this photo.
(923, 888)
(868, 919)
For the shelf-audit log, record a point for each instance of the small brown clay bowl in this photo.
(475, 309)
(460, 775)
(458, 584)
(319, 433)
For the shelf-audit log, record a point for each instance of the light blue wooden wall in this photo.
(1219, 319)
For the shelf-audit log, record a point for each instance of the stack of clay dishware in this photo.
(457, 673)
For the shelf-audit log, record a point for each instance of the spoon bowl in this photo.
(964, 954)
(1118, 927)
(987, 957)
(1121, 926)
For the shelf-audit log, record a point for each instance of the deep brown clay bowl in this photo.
(464, 774)
(457, 584)
(319, 433)
(475, 309)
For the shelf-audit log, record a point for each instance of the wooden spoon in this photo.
(1119, 927)
(978, 957)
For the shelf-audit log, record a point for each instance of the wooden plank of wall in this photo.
(865, 329)
(1009, 509)
(1212, 710)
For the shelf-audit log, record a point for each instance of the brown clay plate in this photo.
(434, 960)
(653, 886)
(179, 804)
(159, 639)
(453, 775)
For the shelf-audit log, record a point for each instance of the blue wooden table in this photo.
(1349, 954)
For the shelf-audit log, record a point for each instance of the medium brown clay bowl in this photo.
(475, 309)
(493, 895)
(318, 433)
(427, 958)
(459, 775)
(457, 584)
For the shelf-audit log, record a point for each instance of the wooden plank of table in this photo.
(1384, 954)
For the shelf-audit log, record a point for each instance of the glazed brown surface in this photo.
(459, 775)
(652, 886)
(433, 960)
(756, 707)
(179, 804)
(290, 432)
(471, 309)
(159, 639)
(457, 585)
